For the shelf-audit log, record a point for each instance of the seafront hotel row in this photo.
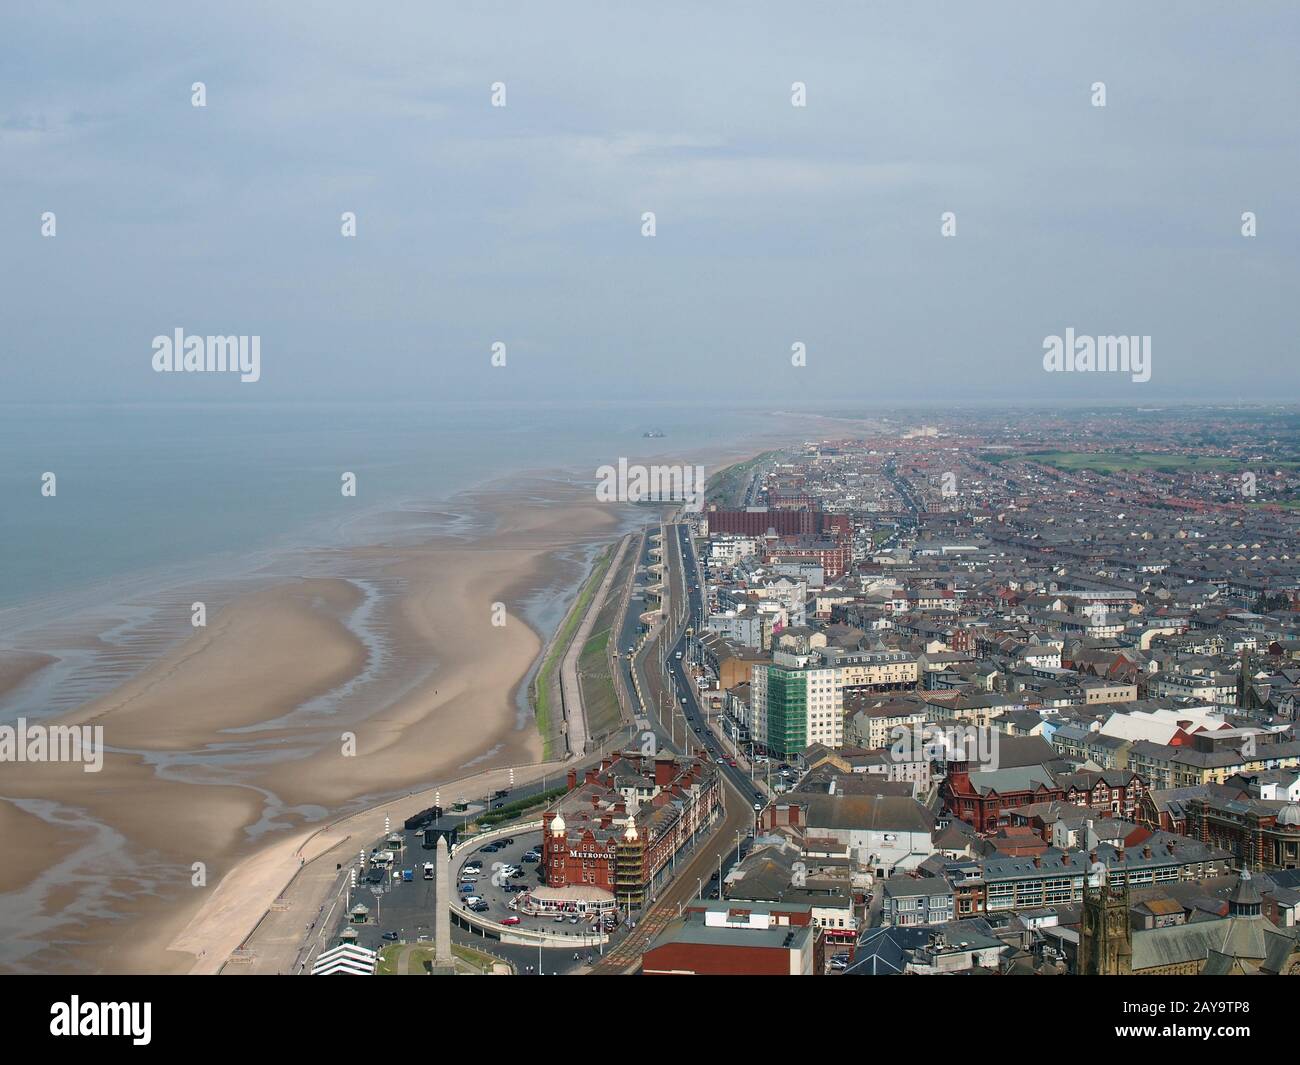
(612, 839)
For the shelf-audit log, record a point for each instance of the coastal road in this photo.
(740, 795)
(686, 694)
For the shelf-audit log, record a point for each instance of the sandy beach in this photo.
(17, 666)
(230, 746)
(351, 679)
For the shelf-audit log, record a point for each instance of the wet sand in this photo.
(368, 674)
(216, 755)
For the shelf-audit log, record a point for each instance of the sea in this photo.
(107, 510)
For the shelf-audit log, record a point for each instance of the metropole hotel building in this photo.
(618, 829)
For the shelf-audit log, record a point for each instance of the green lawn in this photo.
(1125, 461)
(548, 717)
(599, 698)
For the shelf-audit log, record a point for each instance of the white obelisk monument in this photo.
(442, 958)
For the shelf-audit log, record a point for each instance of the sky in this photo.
(774, 224)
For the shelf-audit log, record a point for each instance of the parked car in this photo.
(508, 841)
(559, 918)
(531, 856)
(513, 919)
(473, 900)
(390, 936)
(479, 907)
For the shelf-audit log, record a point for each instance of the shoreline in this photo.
(246, 766)
(246, 771)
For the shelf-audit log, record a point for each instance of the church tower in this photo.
(1105, 933)
(1245, 684)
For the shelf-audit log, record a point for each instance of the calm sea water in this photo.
(145, 490)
